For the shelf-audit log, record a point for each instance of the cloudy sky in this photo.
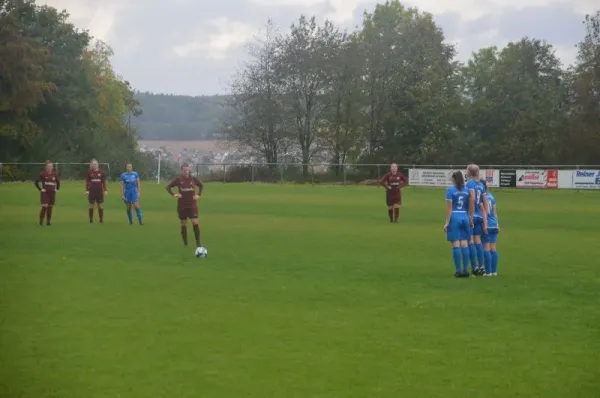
(193, 46)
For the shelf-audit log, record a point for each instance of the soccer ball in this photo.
(201, 252)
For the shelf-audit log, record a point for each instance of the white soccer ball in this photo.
(201, 252)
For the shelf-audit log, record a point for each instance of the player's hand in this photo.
(42, 190)
(389, 188)
(123, 197)
(446, 227)
(196, 197)
(87, 193)
(106, 193)
(177, 195)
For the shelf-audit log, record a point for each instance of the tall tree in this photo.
(257, 121)
(307, 54)
(584, 131)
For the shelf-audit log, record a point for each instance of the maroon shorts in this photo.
(48, 198)
(393, 199)
(187, 213)
(96, 197)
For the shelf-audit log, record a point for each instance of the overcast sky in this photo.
(193, 46)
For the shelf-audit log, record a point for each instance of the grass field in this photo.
(307, 292)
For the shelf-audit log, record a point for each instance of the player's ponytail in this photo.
(459, 179)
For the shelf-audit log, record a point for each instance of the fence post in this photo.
(344, 172)
(252, 167)
(224, 173)
(281, 173)
(312, 175)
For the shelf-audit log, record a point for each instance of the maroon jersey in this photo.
(394, 182)
(48, 181)
(187, 189)
(96, 181)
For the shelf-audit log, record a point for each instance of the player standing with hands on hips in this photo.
(187, 201)
(130, 193)
(48, 184)
(393, 181)
(95, 190)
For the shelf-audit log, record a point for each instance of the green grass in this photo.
(307, 292)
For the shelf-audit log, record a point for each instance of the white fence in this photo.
(534, 178)
(498, 176)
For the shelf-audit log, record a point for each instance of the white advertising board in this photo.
(537, 179)
(443, 177)
(585, 179)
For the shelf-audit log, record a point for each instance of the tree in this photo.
(257, 122)
(584, 132)
(307, 54)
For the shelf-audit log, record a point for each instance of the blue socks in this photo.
(487, 260)
(457, 256)
(129, 216)
(465, 258)
(494, 261)
(138, 212)
(479, 249)
(473, 256)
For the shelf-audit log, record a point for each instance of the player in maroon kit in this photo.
(95, 190)
(393, 181)
(187, 201)
(48, 184)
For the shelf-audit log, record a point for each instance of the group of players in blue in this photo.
(472, 225)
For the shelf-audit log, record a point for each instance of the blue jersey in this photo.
(458, 225)
(492, 222)
(479, 189)
(130, 181)
(459, 198)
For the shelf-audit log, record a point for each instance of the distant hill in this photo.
(178, 117)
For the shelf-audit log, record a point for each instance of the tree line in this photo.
(394, 91)
(179, 117)
(60, 98)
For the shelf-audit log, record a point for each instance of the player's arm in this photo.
(383, 181)
(170, 187)
(403, 180)
(104, 184)
(496, 216)
(38, 182)
(471, 204)
(448, 208)
(199, 185)
(122, 187)
(139, 186)
(57, 183)
(484, 209)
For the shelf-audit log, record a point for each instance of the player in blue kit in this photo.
(490, 239)
(477, 197)
(130, 192)
(458, 224)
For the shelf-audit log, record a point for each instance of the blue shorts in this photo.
(491, 236)
(131, 197)
(459, 227)
(477, 229)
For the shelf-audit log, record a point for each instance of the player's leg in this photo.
(452, 236)
(487, 259)
(494, 253)
(44, 207)
(138, 212)
(91, 201)
(183, 222)
(51, 200)
(396, 208)
(464, 234)
(479, 249)
(129, 213)
(196, 231)
(101, 211)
